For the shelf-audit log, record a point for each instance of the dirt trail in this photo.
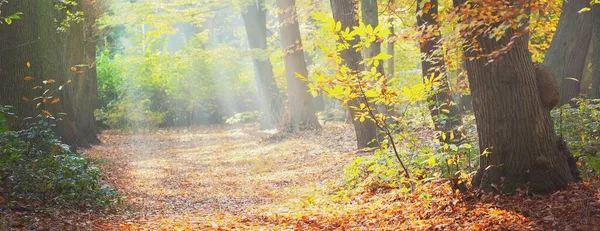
(208, 178)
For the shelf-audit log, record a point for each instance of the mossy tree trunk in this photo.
(80, 54)
(345, 11)
(35, 39)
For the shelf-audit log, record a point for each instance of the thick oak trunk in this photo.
(566, 56)
(516, 136)
(445, 114)
(34, 39)
(344, 11)
(269, 95)
(301, 110)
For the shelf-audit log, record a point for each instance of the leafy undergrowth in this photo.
(219, 179)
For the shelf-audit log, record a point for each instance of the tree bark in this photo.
(345, 11)
(302, 113)
(319, 100)
(391, 51)
(445, 114)
(80, 54)
(370, 16)
(269, 94)
(516, 135)
(566, 56)
(595, 94)
(34, 39)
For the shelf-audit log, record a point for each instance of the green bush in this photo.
(243, 118)
(37, 171)
(580, 128)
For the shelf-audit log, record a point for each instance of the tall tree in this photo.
(269, 94)
(345, 12)
(300, 108)
(596, 52)
(370, 16)
(444, 112)
(34, 40)
(390, 46)
(516, 135)
(566, 56)
(80, 54)
(319, 100)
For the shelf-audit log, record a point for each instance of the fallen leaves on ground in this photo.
(242, 179)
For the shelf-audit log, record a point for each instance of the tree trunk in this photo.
(344, 11)
(516, 135)
(34, 39)
(302, 113)
(80, 54)
(370, 16)
(595, 94)
(445, 114)
(269, 95)
(566, 56)
(319, 100)
(390, 50)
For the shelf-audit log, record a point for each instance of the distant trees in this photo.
(569, 47)
(300, 102)
(269, 96)
(516, 135)
(55, 58)
(344, 11)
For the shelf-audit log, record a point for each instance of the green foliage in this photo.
(9, 19)
(164, 75)
(68, 15)
(373, 172)
(580, 128)
(4, 112)
(405, 158)
(37, 170)
(109, 81)
(331, 114)
(243, 118)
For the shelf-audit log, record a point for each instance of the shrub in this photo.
(37, 171)
(579, 126)
(243, 118)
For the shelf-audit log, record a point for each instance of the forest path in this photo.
(209, 178)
